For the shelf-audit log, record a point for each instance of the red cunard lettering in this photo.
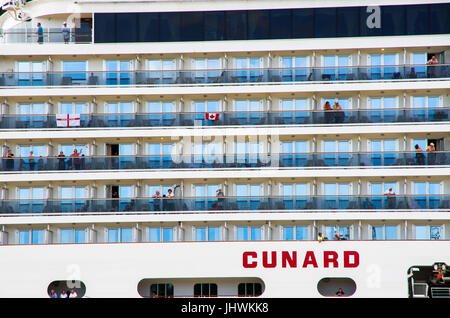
(266, 264)
(287, 258)
(310, 259)
(245, 258)
(330, 257)
(347, 260)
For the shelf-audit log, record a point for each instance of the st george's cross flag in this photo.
(67, 120)
(212, 116)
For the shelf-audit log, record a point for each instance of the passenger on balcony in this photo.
(220, 199)
(9, 160)
(327, 113)
(339, 115)
(61, 161)
(66, 33)
(431, 154)
(31, 161)
(40, 33)
(320, 237)
(390, 198)
(157, 202)
(420, 157)
(170, 204)
(432, 71)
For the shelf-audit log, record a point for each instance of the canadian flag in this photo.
(67, 120)
(212, 116)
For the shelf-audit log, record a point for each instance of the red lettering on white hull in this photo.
(290, 259)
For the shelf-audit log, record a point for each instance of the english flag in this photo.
(212, 116)
(67, 120)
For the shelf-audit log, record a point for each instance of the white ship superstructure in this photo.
(186, 148)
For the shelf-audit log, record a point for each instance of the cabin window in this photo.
(161, 290)
(249, 289)
(336, 287)
(205, 290)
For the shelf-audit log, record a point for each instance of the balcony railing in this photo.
(189, 119)
(221, 161)
(49, 35)
(223, 76)
(237, 203)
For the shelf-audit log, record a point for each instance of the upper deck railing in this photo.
(224, 161)
(223, 76)
(48, 35)
(229, 118)
(228, 203)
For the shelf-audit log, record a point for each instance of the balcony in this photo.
(370, 203)
(232, 118)
(223, 76)
(224, 161)
(49, 35)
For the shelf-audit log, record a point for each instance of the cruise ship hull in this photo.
(286, 269)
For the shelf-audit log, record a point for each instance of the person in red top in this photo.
(328, 114)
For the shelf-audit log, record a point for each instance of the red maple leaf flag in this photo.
(212, 116)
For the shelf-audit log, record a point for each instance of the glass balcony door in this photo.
(31, 116)
(336, 152)
(160, 114)
(427, 194)
(383, 152)
(337, 195)
(160, 155)
(248, 69)
(203, 107)
(31, 73)
(74, 72)
(384, 66)
(120, 114)
(161, 71)
(31, 200)
(294, 68)
(295, 111)
(118, 72)
(205, 197)
(378, 198)
(206, 70)
(247, 112)
(248, 196)
(336, 67)
(295, 154)
(32, 157)
(425, 108)
(295, 196)
(73, 199)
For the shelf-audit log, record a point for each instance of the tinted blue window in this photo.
(440, 17)
(325, 22)
(393, 20)
(169, 27)
(192, 26)
(148, 25)
(105, 28)
(214, 26)
(347, 21)
(258, 24)
(303, 23)
(127, 29)
(417, 22)
(236, 25)
(280, 24)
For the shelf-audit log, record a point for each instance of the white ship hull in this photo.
(120, 270)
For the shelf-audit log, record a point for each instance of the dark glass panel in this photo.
(325, 22)
(440, 19)
(393, 20)
(214, 29)
(169, 27)
(258, 289)
(417, 19)
(213, 290)
(241, 289)
(192, 26)
(126, 27)
(148, 25)
(105, 27)
(280, 24)
(303, 23)
(370, 22)
(258, 24)
(236, 25)
(348, 21)
(197, 290)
